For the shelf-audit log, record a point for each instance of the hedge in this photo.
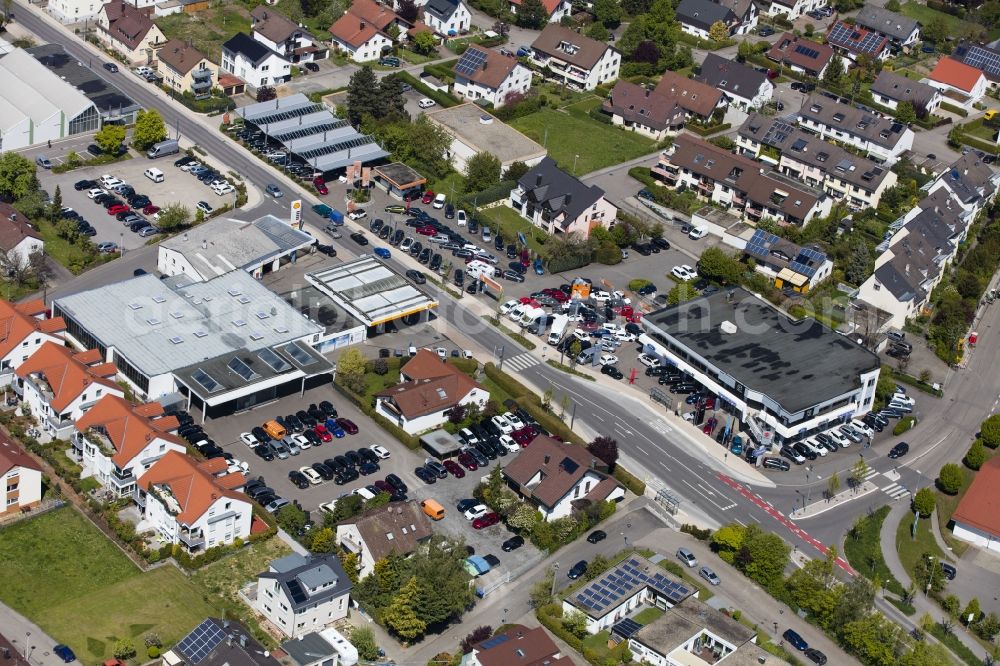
(498, 192)
(903, 425)
(910, 380)
(514, 388)
(441, 98)
(634, 485)
(954, 109)
(705, 131)
(977, 143)
(569, 370)
(407, 439)
(550, 615)
(442, 70)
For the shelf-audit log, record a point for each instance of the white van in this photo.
(154, 175)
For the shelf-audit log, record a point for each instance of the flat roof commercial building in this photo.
(114, 105)
(226, 344)
(372, 292)
(475, 130)
(312, 133)
(789, 377)
(224, 244)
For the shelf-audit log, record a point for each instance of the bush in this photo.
(903, 425)
(696, 532)
(637, 284)
(152, 652)
(976, 456)
(633, 484)
(608, 254)
(950, 479)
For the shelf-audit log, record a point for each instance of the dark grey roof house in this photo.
(248, 47)
(320, 648)
(300, 594)
(217, 642)
(441, 9)
(890, 88)
(741, 83)
(971, 180)
(702, 14)
(900, 30)
(560, 199)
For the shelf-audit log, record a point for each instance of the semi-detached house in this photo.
(744, 186)
(883, 139)
(18, 238)
(26, 327)
(284, 36)
(59, 385)
(644, 110)
(575, 60)
(397, 528)
(854, 41)
(696, 17)
(858, 182)
(447, 17)
(118, 441)
(186, 69)
(129, 32)
(960, 84)
(902, 31)
(183, 503)
(20, 478)
(362, 32)
(801, 55)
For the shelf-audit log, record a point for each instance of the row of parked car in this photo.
(119, 199)
(341, 469)
(273, 151)
(289, 435)
(213, 179)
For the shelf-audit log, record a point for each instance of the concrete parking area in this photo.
(177, 187)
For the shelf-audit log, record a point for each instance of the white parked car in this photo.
(439, 200)
(312, 475)
(500, 422)
(359, 214)
(697, 233)
(301, 441)
(380, 451)
(426, 103)
(649, 361)
(683, 272)
(509, 305)
(608, 359)
(460, 218)
(477, 511)
(861, 427)
(581, 335)
(248, 439)
(600, 296)
(238, 466)
(109, 181)
(508, 443)
(362, 492)
(94, 193)
(442, 353)
(624, 336)
(819, 450)
(515, 422)
(839, 438)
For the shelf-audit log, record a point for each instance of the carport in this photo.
(441, 444)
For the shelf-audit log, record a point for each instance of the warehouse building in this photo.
(783, 378)
(114, 106)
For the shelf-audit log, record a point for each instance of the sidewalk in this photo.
(823, 505)
(18, 630)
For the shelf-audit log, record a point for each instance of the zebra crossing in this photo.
(521, 361)
(893, 490)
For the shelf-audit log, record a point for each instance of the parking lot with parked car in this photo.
(96, 215)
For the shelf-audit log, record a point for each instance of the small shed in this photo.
(441, 444)
(398, 179)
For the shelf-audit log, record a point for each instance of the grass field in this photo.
(925, 15)
(58, 570)
(865, 552)
(582, 141)
(911, 550)
(508, 222)
(207, 29)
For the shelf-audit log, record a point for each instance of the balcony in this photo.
(668, 174)
(193, 540)
(121, 480)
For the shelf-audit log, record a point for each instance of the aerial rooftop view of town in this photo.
(499, 332)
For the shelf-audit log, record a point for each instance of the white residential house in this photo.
(557, 202)
(428, 390)
(119, 441)
(890, 89)
(484, 74)
(255, 63)
(20, 479)
(447, 17)
(284, 36)
(59, 385)
(962, 85)
(883, 139)
(74, 11)
(27, 328)
(746, 88)
(129, 31)
(398, 527)
(575, 60)
(556, 9)
(301, 594)
(553, 475)
(792, 9)
(184, 504)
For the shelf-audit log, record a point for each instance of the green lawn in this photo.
(207, 29)
(508, 222)
(925, 15)
(74, 257)
(647, 615)
(911, 550)
(225, 577)
(63, 574)
(864, 551)
(590, 144)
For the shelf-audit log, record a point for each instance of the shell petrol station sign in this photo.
(295, 214)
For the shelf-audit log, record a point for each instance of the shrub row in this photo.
(569, 370)
(498, 192)
(627, 479)
(406, 438)
(903, 425)
(957, 110)
(705, 131)
(442, 70)
(910, 380)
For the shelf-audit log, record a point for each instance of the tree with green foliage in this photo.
(363, 96)
(608, 13)
(950, 479)
(972, 612)
(363, 638)
(976, 455)
(482, 170)
(149, 129)
(860, 265)
(391, 99)
(532, 15)
(873, 638)
(401, 617)
(834, 73)
(681, 293)
(110, 138)
(424, 42)
(575, 623)
(324, 540)
(719, 265)
(858, 473)
(988, 627)
(291, 518)
(905, 113)
(124, 649)
(598, 31)
(935, 30)
(17, 175)
(989, 430)
(833, 485)
(351, 369)
(856, 599)
(718, 32)
(636, 7)
(768, 556)
(173, 216)
(343, 509)
(814, 588)
(924, 502)
(515, 171)
(377, 502)
(892, 5)
(55, 210)
(810, 29)
(727, 541)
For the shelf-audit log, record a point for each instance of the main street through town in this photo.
(713, 489)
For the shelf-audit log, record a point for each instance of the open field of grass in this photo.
(580, 141)
(864, 551)
(225, 577)
(58, 568)
(925, 15)
(911, 550)
(207, 29)
(507, 222)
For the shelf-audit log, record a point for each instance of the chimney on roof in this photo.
(538, 180)
(362, 25)
(545, 461)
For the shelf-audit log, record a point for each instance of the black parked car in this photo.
(597, 536)
(84, 185)
(299, 479)
(396, 483)
(328, 409)
(425, 475)
(578, 570)
(359, 238)
(324, 471)
(435, 262)
(612, 371)
(264, 451)
(512, 543)
(899, 450)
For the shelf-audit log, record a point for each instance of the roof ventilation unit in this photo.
(727, 327)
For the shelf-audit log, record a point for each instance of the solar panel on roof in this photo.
(626, 628)
(205, 380)
(242, 369)
(201, 641)
(470, 62)
(298, 594)
(495, 641)
(806, 51)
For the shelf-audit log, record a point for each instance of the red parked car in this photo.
(150, 209)
(118, 208)
(426, 231)
(454, 469)
(467, 461)
(320, 185)
(428, 197)
(323, 433)
(709, 426)
(488, 520)
(348, 425)
(558, 295)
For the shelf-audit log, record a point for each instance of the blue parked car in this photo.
(538, 267)
(335, 429)
(64, 653)
(382, 252)
(737, 445)
(523, 51)
(796, 641)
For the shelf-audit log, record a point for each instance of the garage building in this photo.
(790, 378)
(226, 344)
(475, 130)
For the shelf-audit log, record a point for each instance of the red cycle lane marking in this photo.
(781, 518)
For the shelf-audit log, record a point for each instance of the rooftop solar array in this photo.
(808, 261)
(201, 641)
(298, 133)
(979, 57)
(777, 133)
(495, 641)
(623, 582)
(470, 62)
(859, 41)
(298, 594)
(806, 51)
(626, 628)
(760, 243)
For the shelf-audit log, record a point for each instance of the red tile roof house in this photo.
(518, 646)
(556, 9)
(430, 387)
(977, 518)
(17, 237)
(801, 55)
(119, 441)
(22, 478)
(663, 111)
(960, 84)
(24, 327)
(362, 32)
(129, 31)
(60, 385)
(185, 504)
(556, 476)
